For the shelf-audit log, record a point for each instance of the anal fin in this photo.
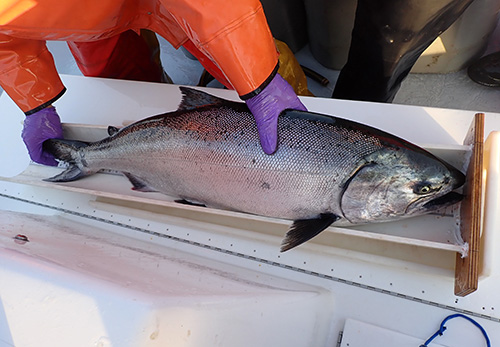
(138, 184)
(303, 230)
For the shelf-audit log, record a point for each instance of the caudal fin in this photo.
(68, 152)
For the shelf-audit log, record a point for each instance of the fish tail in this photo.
(68, 152)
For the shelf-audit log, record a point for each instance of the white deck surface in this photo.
(187, 275)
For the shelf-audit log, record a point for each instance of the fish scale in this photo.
(326, 169)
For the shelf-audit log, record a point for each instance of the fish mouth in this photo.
(442, 201)
(458, 179)
(446, 200)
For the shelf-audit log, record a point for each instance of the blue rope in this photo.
(442, 328)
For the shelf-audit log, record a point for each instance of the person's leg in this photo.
(126, 56)
(388, 38)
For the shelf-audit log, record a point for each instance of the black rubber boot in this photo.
(388, 38)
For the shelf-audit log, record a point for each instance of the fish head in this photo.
(395, 183)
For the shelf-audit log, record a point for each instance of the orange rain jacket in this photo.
(232, 37)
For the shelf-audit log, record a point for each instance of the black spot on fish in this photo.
(253, 161)
(265, 185)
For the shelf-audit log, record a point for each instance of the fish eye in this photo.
(422, 189)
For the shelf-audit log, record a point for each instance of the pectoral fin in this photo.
(190, 203)
(303, 230)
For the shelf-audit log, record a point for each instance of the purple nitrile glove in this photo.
(38, 127)
(266, 106)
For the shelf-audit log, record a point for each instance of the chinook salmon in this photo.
(326, 169)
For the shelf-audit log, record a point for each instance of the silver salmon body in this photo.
(326, 169)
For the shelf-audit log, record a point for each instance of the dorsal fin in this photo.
(192, 98)
(315, 117)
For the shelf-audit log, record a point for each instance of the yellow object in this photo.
(291, 71)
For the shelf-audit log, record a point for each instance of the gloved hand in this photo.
(38, 127)
(266, 106)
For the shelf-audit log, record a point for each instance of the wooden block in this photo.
(467, 269)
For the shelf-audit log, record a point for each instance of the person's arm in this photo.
(235, 36)
(28, 75)
(241, 51)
